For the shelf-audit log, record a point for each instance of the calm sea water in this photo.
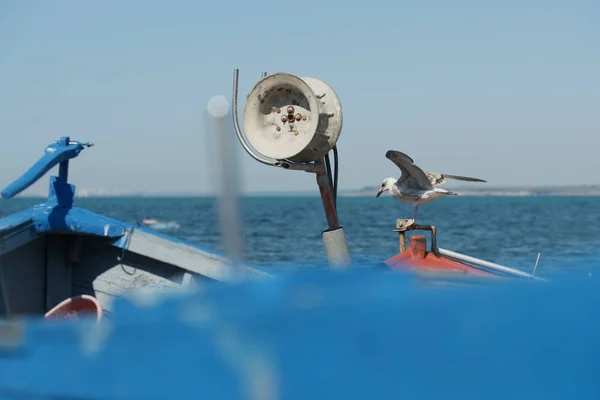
(284, 232)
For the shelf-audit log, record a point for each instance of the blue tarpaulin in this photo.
(357, 334)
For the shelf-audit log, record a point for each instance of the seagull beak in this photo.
(379, 192)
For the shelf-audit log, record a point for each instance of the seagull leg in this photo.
(413, 221)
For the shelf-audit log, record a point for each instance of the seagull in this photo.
(416, 186)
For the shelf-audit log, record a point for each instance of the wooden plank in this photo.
(4, 304)
(104, 274)
(16, 237)
(184, 256)
(58, 271)
(23, 273)
(116, 281)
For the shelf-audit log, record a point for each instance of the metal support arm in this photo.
(59, 152)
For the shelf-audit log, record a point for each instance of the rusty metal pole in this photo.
(327, 199)
(402, 241)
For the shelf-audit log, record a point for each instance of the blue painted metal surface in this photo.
(359, 334)
(54, 216)
(59, 152)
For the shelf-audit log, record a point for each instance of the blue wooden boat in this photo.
(56, 250)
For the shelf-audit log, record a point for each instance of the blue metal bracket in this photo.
(59, 152)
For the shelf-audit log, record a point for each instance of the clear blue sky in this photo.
(508, 91)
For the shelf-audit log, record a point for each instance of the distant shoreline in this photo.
(496, 194)
(517, 191)
(530, 191)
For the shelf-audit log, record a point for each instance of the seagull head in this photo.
(386, 184)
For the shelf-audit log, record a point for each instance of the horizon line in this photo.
(97, 193)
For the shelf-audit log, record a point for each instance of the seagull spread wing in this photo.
(410, 171)
(437, 179)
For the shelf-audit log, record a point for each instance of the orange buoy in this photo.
(416, 257)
